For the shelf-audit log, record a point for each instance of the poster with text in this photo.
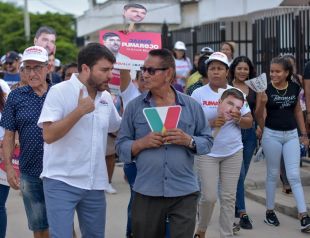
(15, 162)
(130, 49)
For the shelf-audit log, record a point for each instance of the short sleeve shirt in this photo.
(21, 113)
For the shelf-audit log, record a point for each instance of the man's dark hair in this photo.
(236, 93)
(110, 34)
(134, 5)
(45, 29)
(93, 52)
(165, 56)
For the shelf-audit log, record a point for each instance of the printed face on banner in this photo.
(131, 49)
(228, 105)
(134, 12)
(258, 84)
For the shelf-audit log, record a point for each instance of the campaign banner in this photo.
(161, 119)
(15, 162)
(130, 49)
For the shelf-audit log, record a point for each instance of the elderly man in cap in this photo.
(21, 113)
(11, 62)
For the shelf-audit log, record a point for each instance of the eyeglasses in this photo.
(151, 70)
(36, 69)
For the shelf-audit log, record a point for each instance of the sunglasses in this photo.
(151, 70)
(9, 63)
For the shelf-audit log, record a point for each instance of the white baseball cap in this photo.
(35, 53)
(218, 56)
(179, 45)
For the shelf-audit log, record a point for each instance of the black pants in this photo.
(149, 214)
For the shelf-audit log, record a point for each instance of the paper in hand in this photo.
(258, 84)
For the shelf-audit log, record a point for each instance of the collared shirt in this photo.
(21, 113)
(168, 170)
(78, 158)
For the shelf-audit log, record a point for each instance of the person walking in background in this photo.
(222, 165)
(11, 62)
(21, 113)
(68, 70)
(183, 65)
(4, 189)
(166, 184)
(280, 102)
(228, 48)
(240, 70)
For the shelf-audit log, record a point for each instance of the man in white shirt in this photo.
(76, 118)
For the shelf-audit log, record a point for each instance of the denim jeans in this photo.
(249, 145)
(286, 143)
(130, 171)
(4, 192)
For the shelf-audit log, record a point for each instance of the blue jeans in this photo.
(130, 171)
(249, 145)
(283, 143)
(4, 192)
(34, 202)
(63, 199)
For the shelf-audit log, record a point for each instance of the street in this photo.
(116, 217)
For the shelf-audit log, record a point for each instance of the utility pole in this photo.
(26, 21)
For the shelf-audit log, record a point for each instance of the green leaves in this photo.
(12, 34)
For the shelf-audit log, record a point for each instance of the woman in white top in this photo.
(222, 165)
(183, 64)
(228, 48)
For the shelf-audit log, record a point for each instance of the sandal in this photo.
(287, 190)
(196, 236)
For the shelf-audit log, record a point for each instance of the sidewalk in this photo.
(255, 188)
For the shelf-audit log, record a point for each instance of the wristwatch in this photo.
(192, 144)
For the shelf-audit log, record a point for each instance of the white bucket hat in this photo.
(218, 56)
(35, 53)
(179, 45)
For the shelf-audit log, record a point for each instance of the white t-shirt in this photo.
(78, 158)
(228, 140)
(182, 68)
(5, 87)
(129, 93)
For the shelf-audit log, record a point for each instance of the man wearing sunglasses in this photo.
(21, 113)
(11, 63)
(166, 185)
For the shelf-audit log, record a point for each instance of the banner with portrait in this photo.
(130, 49)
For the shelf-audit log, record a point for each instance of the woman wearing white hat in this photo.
(183, 64)
(222, 165)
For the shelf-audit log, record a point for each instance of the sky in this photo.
(75, 7)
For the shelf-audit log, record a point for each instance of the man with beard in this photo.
(76, 118)
(11, 62)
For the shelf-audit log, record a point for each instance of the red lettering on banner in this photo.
(210, 103)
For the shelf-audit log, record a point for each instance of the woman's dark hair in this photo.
(202, 69)
(2, 99)
(236, 61)
(286, 64)
(175, 55)
(294, 76)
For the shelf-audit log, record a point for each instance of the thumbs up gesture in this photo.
(86, 105)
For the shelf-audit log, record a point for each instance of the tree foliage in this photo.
(12, 33)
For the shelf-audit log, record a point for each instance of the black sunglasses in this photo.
(151, 70)
(9, 63)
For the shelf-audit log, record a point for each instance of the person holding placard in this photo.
(281, 104)
(241, 70)
(222, 165)
(166, 184)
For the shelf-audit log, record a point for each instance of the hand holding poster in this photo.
(258, 84)
(15, 162)
(130, 49)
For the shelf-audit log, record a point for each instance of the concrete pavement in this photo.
(117, 211)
